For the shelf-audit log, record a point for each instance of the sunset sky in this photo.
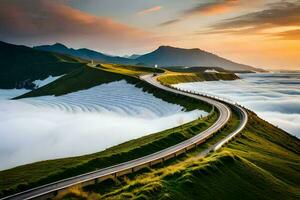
(261, 33)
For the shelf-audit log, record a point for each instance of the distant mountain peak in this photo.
(57, 46)
(133, 56)
(166, 47)
(60, 45)
(171, 48)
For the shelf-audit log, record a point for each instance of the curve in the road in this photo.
(51, 189)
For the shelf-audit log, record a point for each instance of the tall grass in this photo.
(263, 163)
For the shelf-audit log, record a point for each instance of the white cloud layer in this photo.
(49, 79)
(80, 123)
(11, 93)
(274, 97)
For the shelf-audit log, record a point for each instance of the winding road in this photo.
(51, 189)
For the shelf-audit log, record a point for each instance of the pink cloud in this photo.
(50, 21)
(150, 10)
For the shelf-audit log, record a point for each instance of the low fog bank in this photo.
(83, 122)
(274, 97)
(11, 93)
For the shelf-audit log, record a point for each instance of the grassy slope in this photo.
(79, 79)
(20, 63)
(87, 77)
(129, 70)
(27, 176)
(194, 69)
(184, 77)
(31, 175)
(261, 164)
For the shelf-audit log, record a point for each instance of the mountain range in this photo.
(20, 66)
(84, 53)
(164, 56)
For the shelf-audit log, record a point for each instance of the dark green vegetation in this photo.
(32, 175)
(20, 66)
(174, 78)
(263, 163)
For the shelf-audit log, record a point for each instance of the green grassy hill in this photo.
(86, 77)
(263, 163)
(80, 79)
(185, 77)
(20, 65)
(28, 176)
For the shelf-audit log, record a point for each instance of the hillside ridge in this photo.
(20, 66)
(168, 56)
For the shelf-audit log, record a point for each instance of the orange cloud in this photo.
(50, 21)
(276, 16)
(214, 8)
(289, 35)
(150, 10)
(211, 8)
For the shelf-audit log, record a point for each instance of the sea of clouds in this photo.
(82, 122)
(273, 96)
(49, 79)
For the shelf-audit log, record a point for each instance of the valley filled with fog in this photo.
(82, 122)
(273, 96)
